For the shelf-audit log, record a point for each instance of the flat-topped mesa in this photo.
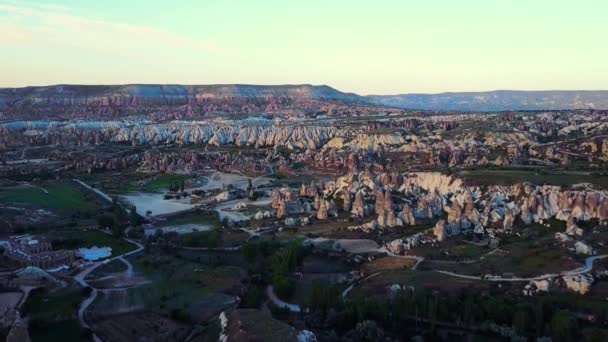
(168, 101)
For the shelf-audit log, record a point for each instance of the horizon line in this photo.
(299, 84)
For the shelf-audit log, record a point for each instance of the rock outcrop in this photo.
(580, 283)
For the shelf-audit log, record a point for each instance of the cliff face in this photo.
(165, 101)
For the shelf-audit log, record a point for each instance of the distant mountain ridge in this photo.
(76, 93)
(159, 101)
(168, 101)
(498, 100)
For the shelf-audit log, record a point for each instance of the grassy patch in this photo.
(211, 238)
(61, 195)
(114, 266)
(163, 181)
(511, 176)
(521, 256)
(418, 279)
(387, 263)
(451, 250)
(256, 323)
(232, 238)
(128, 182)
(539, 259)
(198, 217)
(176, 284)
(44, 307)
(60, 331)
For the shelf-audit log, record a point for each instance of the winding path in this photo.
(97, 191)
(348, 289)
(588, 267)
(418, 259)
(81, 279)
(280, 303)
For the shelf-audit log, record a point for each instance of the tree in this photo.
(539, 318)
(86, 291)
(119, 213)
(118, 230)
(106, 221)
(521, 320)
(253, 298)
(249, 250)
(323, 297)
(368, 331)
(283, 286)
(563, 326)
(134, 217)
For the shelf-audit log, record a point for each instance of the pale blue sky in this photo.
(380, 46)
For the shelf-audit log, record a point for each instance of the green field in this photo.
(197, 217)
(114, 266)
(77, 238)
(53, 315)
(177, 285)
(60, 331)
(379, 285)
(162, 182)
(531, 254)
(511, 176)
(58, 306)
(451, 250)
(129, 182)
(62, 195)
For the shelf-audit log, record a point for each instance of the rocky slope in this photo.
(258, 133)
(497, 100)
(166, 101)
(191, 101)
(402, 199)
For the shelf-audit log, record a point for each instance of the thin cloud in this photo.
(35, 24)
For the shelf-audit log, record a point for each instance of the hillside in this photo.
(166, 101)
(497, 100)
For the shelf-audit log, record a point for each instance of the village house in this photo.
(27, 250)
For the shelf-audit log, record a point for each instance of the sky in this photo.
(368, 47)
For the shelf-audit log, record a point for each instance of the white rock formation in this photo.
(580, 283)
(582, 248)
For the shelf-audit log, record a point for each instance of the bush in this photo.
(180, 315)
(106, 221)
(279, 313)
(86, 291)
(322, 297)
(210, 238)
(368, 331)
(249, 250)
(283, 286)
(253, 298)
